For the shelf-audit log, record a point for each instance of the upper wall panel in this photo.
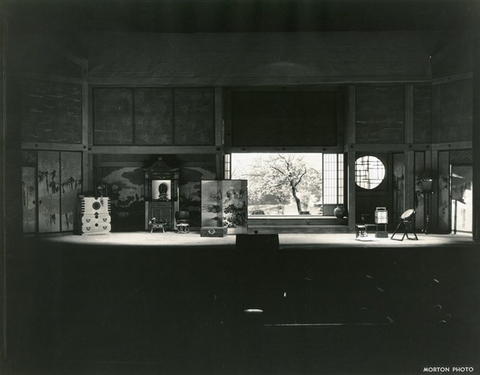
(37, 53)
(194, 116)
(283, 118)
(454, 58)
(49, 111)
(259, 58)
(153, 116)
(422, 113)
(380, 114)
(453, 111)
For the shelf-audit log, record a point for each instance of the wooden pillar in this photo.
(11, 212)
(409, 154)
(350, 139)
(351, 190)
(409, 179)
(219, 134)
(476, 134)
(432, 202)
(3, 294)
(87, 167)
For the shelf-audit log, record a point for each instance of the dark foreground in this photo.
(157, 310)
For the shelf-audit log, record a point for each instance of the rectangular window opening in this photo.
(289, 184)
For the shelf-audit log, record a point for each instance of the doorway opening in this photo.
(461, 198)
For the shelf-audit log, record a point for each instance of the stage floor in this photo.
(287, 241)
(141, 303)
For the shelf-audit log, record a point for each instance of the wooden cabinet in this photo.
(93, 216)
(161, 194)
(162, 212)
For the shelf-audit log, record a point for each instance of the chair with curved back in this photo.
(406, 219)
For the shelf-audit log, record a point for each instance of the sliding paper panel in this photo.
(48, 179)
(29, 197)
(71, 186)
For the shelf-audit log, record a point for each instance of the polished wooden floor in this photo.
(178, 304)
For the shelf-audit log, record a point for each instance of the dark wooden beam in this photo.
(476, 135)
(156, 150)
(3, 291)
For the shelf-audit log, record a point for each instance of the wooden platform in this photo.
(287, 240)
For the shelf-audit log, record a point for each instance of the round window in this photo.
(369, 172)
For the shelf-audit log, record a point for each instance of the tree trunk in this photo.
(297, 199)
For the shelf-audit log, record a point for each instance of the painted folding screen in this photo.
(224, 204)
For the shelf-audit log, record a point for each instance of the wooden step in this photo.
(271, 229)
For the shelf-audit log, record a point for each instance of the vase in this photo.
(340, 212)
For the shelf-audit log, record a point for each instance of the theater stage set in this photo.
(118, 113)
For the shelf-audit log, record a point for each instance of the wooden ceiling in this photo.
(189, 16)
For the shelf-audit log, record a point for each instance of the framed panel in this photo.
(153, 116)
(376, 191)
(113, 116)
(454, 111)
(443, 196)
(225, 204)
(29, 190)
(29, 199)
(161, 190)
(48, 180)
(380, 114)
(235, 206)
(71, 186)
(283, 118)
(194, 116)
(212, 203)
(422, 114)
(50, 111)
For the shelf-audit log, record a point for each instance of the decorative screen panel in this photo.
(48, 179)
(71, 186)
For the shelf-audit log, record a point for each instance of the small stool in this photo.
(183, 228)
(361, 230)
(157, 225)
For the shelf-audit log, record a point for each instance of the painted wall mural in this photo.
(126, 190)
(190, 192)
